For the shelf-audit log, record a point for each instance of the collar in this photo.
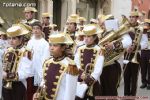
(45, 24)
(58, 58)
(134, 25)
(19, 46)
(90, 46)
(29, 20)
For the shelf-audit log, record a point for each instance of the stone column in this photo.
(50, 9)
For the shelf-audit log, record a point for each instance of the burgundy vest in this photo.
(52, 76)
(88, 56)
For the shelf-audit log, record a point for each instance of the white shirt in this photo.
(144, 42)
(40, 48)
(30, 22)
(24, 69)
(126, 42)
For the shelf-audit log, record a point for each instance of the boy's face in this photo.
(37, 31)
(28, 15)
(45, 19)
(133, 19)
(56, 50)
(71, 27)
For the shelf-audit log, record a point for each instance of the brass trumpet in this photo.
(89, 67)
(10, 66)
(41, 93)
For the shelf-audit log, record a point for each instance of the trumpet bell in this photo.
(8, 85)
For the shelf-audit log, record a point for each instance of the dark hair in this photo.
(0, 25)
(37, 23)
(75, 24)
(21, 38)
(5, 37)
(48, 17)
(96, 39)
(62, 45)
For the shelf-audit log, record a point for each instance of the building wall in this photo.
(142, 5)
(45, 6)
(89, 8)
(120, 7)
(68, 7)
(9, 13)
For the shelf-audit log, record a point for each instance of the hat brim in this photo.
(21, 33)
(67, 40)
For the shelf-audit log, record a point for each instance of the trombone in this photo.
(136, 42)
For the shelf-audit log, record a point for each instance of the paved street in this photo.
(140, 92)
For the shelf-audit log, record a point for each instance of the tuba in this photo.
(123, 29)
(114, 36)
(10, 65)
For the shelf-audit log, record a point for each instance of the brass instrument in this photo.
(88, 69)
(41, 93)
(124, 20)
(114, 36)
(123, 29)
(10, 66)
(137, 40)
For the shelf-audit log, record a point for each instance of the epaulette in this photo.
(102, 52)
(28, 53)
(80, 46)
(72, 68)
(48, 60)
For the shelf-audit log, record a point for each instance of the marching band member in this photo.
(131, 68)
(110, 82)
(89, 59)
(17, 65)
(81, 22)
(40, 47)
(79, 41)
(145, 58)
(71, 31)
(60, 72)
(29, 16)
(53, 29)
(45, 24)
(72, 26)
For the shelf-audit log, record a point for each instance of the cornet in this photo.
(41, 93)
(10, 66)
